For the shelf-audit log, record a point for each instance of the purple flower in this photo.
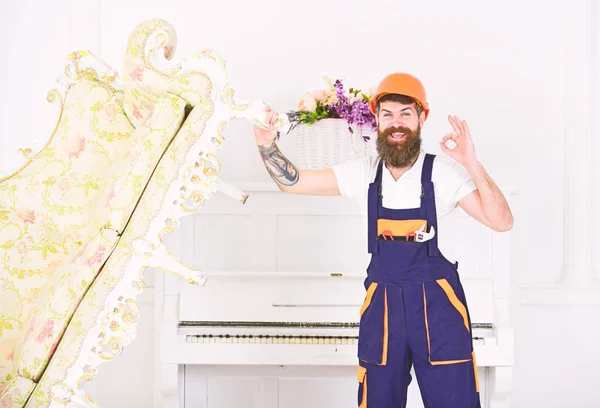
(351, 106)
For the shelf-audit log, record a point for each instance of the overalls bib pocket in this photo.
(395, 235)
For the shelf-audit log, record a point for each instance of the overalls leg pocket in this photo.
(373, 333)
(447, 324)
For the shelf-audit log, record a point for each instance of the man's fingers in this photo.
(454, 125)
(450, 136)
(467, 130)
(268, 117)
(460, 125)
(445, 148)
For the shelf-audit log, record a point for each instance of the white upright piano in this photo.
(276, 325)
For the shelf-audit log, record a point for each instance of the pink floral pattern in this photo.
(29, 216)
(79, 147)
(110, 194)
(60, 213)
(47, 331)
(7, 400)
(97, 258)
(30, 328)
(137, 74)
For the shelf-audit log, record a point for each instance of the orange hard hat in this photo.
(403, 84)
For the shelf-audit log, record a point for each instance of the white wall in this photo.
(523, 73)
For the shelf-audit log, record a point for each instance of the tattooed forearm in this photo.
(278, 166)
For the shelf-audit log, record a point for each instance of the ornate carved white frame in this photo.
(198, 179)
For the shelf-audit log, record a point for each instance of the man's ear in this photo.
(422, 118)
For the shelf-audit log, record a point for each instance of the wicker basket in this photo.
(329, 142)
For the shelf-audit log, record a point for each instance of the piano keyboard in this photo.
(288, 333)
(241, 339)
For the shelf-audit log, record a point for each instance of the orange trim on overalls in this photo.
(475, 369)
(399, 228)
(368, 298)
(385, 329)
(455, 301)
(362, 378)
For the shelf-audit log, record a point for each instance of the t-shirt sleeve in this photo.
(456, 181)
(352, 177)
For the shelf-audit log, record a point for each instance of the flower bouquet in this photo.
(332, 126)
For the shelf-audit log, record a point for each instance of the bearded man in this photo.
(415, 313)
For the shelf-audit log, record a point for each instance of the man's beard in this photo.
(402, 153)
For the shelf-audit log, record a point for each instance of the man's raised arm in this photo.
(287, 177)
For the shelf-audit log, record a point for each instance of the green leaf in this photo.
(96, 107)
(329, 82)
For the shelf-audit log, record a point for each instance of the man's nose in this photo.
(398, 122)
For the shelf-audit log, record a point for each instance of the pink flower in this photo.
(111, 111)
(308, 103)
(97, 257)
(150, 111)
(3, 387)
(110, 195)
(79, 147)
(29, 329)
(136, 112)
(46, 332)
(22, 247)
(63, 184)
(10, 357)
(29, 216)
(137, 74)
(82, 250)
(320, 95)
(7, 401)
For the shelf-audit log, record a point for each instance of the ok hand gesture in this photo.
(464, 151)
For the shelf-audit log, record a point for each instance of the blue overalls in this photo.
(414, 311)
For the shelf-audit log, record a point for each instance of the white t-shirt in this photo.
(450, 180)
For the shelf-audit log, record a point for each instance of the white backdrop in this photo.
(523, 74)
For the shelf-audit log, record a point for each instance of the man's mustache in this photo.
(399, 129)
